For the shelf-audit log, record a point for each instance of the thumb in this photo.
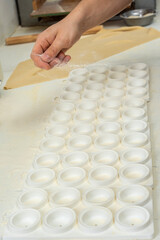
(52, 51)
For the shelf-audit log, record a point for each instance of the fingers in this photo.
(54, 62)
(52, 51)
(37, 51)
(46, 55)
(60, 60)
(61, 56)
(38, 62)
(66, 59)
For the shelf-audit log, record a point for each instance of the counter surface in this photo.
(25, 112)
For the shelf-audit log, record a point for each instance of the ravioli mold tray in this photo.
(92, 175)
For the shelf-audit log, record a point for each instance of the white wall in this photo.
(8, 19)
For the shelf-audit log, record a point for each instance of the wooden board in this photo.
(55, 8)
(37, 4)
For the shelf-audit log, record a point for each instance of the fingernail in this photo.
(46, 57)
(61, 57)
(66, 61)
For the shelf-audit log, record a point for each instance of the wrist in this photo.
(77, 20)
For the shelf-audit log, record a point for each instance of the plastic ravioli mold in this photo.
(92, 175)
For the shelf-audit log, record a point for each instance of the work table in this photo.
(25, 112)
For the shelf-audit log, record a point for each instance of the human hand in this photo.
(51, 45)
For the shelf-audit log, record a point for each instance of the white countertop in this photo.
(25, 112)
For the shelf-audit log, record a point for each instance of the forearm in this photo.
(89, 13)
(52, 44)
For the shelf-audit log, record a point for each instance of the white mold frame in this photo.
(112, 232)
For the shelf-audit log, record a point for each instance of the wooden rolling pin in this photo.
(33, 37)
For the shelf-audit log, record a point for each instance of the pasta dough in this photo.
(87, 50)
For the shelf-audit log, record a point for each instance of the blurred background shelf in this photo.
(47, 12)
(42, 8)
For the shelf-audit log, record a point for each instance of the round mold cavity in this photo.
(136, 126)
(98, 197)
(46, 160)
(79, 79)
(87, 105)
(97, 68)
(132, 218)
(111, 103)
(108, 157)
(134, 113)
(139, 66)
(73, 87)
(96, 77)
(115, 93)
(79, 72)
(34, 198)
(137, 74)
(95, 86)
(95, 220)
(118, 68)
(137, 92)
(119, 76)
(76, 159)
(92, 95)
(102, 175)
(79, 142)
(134, 102)
(24, 221)
(138, 83)
(84, 116)
(40, 178)
(133, 195)
(70, 96)
(134, 173)
(65, 197)
(52, 144)
(109, 115)
(135, 139)
(107, 141)
(59, 220)
(108, 127)
(65, 107)
(83, 129)
(116, 84)
(135, 155)
(143, 73)
(58, 130)
(61, 117)
(71, 176)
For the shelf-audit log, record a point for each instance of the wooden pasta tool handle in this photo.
(33, 37)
